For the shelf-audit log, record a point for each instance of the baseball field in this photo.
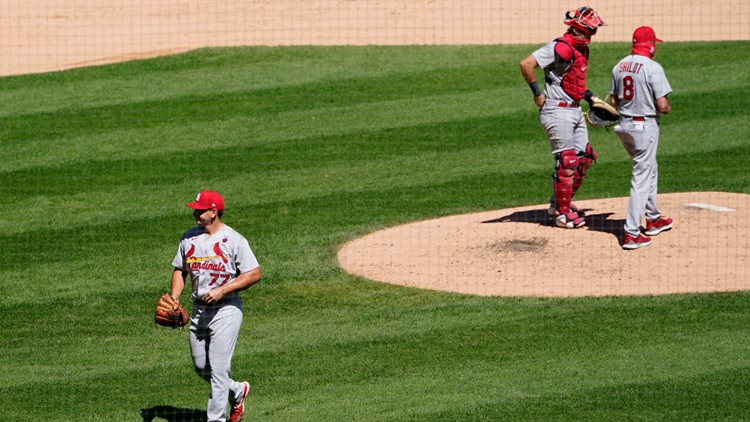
(314, 147)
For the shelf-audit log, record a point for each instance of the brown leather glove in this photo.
(169, 313)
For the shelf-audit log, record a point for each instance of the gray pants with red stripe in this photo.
(641, 140)
(565, 126)
(213, 336)
(566, 130)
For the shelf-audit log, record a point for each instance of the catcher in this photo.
(565, 61)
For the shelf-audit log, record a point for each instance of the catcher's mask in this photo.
(584, 19)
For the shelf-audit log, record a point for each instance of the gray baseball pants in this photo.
(641, 140)
(213, 336)
(565, 127)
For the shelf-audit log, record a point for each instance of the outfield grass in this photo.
(312, 147)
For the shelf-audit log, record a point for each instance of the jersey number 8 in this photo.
(628, 88)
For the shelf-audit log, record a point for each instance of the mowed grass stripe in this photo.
(188, 107)
(702, 398)
(299, 181)
(120, 142)
(212, 71)
(216, 70)
(309, 173)
(252, 129)
(515, 358)
(299, 148)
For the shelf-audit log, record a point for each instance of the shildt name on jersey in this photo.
(630, 67)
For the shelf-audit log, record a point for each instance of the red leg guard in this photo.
(566, 164)
(584, 162)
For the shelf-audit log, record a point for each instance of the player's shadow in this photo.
(173, 414)
(597, 222)
(539, 217)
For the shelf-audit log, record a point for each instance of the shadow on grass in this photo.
(173, 414)
(596, 222)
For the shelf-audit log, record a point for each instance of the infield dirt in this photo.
(516, 252)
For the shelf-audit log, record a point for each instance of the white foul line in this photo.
(709, 207)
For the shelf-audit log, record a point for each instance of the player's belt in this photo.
(567, 104)
(636, 118)
(220, 303)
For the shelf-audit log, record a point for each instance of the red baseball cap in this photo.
(207, 200)
(645, 34)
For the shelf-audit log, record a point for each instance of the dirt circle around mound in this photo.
(516, 252)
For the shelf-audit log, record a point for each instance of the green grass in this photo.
(312, 147)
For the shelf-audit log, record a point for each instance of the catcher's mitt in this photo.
(169, 314)
(601, 113)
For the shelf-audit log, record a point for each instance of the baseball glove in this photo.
(169, 314)
(601, 113)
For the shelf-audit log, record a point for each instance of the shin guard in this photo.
(566, 164)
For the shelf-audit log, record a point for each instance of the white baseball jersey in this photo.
(637, 82)
(545, 57)
(214, 261)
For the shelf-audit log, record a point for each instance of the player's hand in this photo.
(213, 296)
(539, 100)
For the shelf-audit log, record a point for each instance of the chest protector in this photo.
(574, 77)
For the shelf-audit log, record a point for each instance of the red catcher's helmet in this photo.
(585, 19)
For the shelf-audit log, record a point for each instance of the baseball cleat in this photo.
(660, 225)
(635, 242)
(238, 410)
(570, 220)
(552, 211)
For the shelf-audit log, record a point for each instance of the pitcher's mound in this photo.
(516, 252)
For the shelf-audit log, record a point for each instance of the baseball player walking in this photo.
(221, 264)
(639, 90)
(565, 64)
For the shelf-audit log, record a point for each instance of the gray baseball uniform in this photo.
(565, 64)
(637, 82)
(561, 116)
(213, 261)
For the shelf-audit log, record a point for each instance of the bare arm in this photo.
(528, 70)
(242, 282)
(662, 104)
(178, 283)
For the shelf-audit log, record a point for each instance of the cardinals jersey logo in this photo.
(220, 253)
(190, 257)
